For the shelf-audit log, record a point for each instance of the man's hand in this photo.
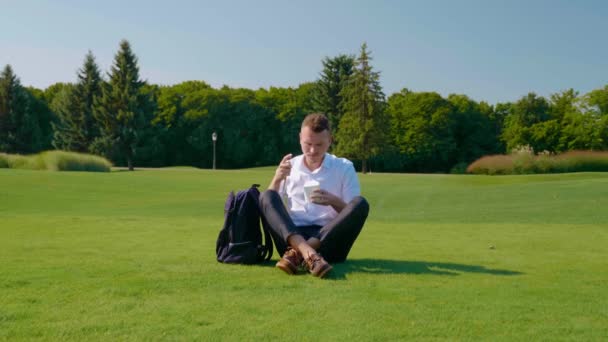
(281, 172)
(323, 197)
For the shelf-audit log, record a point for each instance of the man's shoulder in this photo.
(339, 161)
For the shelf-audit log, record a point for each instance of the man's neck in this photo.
(313, 165)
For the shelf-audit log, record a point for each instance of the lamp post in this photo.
(214, 138)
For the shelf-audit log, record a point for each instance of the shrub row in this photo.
(526, 162)
(56, 161)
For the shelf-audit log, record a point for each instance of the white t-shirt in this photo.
(336, 175)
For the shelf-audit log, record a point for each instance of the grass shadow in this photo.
(383, 266)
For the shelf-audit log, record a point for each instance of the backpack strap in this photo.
(225, 234)
(267, 248)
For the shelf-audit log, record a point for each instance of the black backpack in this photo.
(240, 240)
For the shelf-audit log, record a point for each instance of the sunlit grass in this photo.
(130, 256)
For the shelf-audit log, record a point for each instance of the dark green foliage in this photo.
(422, 126)
(525, 113)
(328, 97)
(287, 107)
(254, 128)
(473, 130)
(39, 107)
(132, 122)
(363, 127)
(8, 94)
(76, 129)
(598, 100)
(119, 112)
(65, 130)
(150, 150)
(544, 136)
(20, 130)
(172, 102)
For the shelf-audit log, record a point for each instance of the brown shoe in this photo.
(317, 266)
(290, 261)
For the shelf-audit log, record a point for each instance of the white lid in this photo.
(311, 183)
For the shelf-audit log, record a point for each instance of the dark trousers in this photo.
(337, 237)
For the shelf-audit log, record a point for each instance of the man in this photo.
(307, 229)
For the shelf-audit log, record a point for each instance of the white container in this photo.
(309, 187)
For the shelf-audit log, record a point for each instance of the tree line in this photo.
(131, 122)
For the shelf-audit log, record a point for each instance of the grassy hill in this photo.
(130, 255)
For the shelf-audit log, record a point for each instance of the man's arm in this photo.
(350, 189)
(281, 173)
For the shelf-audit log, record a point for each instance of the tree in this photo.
(327, 90)
(422, 128)
(9, 89)
(39, 107)
(498, 115)
(586, 127)
(119, 111)
(65, 130)
(545, 136)
(528, 111)
(172, 102)
(564, 103)
(76, 128)
(567, 120)
(576, 132)
(473, 130)
(598, 100)
(19, 127)
(362, 128)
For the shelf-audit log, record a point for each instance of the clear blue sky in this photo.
(492, 50)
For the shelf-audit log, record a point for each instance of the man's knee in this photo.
(360, 206)
(267, 196)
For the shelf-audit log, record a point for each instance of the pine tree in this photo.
(7, 81)
(327, 91)
(362, 128)
(77, 128)
(19, 129)
(65, 129)
(119, 112)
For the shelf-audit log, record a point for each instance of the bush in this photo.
(17, 161)
(492, 165)
(525, 162)
(582, 161)
(3, 161)
(544, 163)
(56, 161)
(71, 161)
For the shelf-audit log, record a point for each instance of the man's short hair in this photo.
(317, 122)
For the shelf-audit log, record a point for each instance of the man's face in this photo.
(314, 145)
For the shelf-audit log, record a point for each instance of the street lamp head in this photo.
(214, 138)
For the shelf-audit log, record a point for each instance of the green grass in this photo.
(130, 256)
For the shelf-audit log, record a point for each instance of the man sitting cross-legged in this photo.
(310, 228)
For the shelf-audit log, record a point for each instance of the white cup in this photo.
(309, 187)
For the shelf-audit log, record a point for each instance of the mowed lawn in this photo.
(131, 256)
